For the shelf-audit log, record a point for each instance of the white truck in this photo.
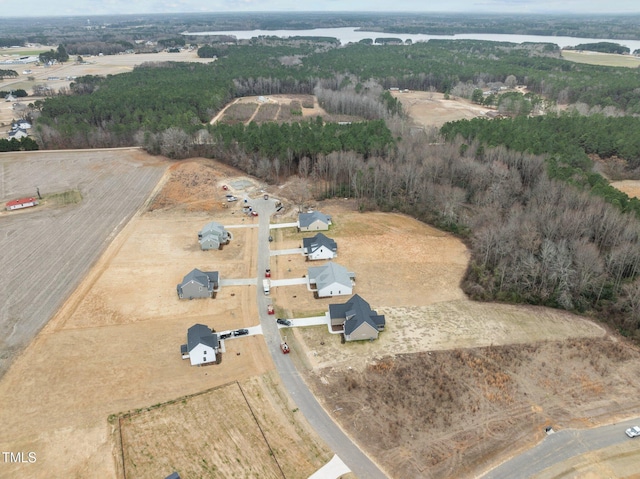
(266, 286)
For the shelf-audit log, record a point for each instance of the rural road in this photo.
(306, 402)
(559, 447)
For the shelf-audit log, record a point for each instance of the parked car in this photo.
(270, 309)
(270, 238)
(254, 213)
(633, 431)
(231, 198)
(285, 348)
(225, 335)
(225, 187)
(284, 322)
(267, 273)
(241, 332)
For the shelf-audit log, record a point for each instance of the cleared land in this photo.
(251, 430)
(88, 198)
(430, 109)
(604, 59)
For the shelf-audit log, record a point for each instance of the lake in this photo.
(352, 34)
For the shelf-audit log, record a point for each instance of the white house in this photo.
(330, 279)
(357, 320)
(202, 345)
(319, 247)
(314, 221)
(18, 133)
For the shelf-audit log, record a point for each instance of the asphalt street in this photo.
(336, 439)
(560, 446)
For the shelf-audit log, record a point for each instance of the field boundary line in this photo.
(273, 454)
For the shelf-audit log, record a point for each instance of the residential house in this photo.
(18, 133)
(356, 319)
(313, 221)
(202, 345)
(199, 284)
(319, 247)
(213, 236)
(331, 279)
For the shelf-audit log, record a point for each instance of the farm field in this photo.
(604, 59)
(87, 198)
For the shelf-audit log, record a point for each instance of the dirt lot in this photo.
(431, 109)
(630, 187)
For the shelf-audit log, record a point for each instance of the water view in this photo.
(352, 34)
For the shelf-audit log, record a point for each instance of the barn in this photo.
(21, 203)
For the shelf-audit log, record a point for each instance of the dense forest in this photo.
(518, 189)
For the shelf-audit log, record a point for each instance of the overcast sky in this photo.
(102, 7)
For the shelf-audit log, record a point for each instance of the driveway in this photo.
(288, 282)
(280, 252)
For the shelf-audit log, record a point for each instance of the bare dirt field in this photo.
(47, 249)
(630, 187)
(430, 109)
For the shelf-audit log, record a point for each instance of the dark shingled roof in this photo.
(199, 333)
(356, 311)
(312, 244)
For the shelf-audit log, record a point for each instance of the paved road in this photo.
(561, 446)
(337, 440)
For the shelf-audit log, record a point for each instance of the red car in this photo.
(270, 309)
(225, 187)
(285, 348)
(254, 213)
(267, 273)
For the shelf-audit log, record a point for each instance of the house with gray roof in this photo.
(213, 236)
(356, 319)
(199, 284)
(313, 221)
(202, 345)
(330, 279)
(18, 133)
(319, 247)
